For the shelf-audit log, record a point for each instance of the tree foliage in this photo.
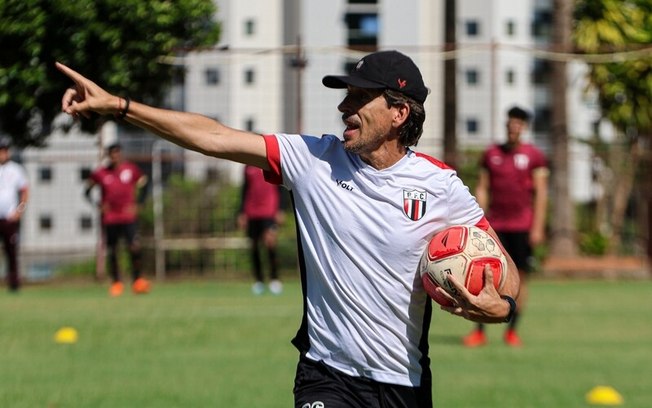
(117, 43)
(624, 86)
(624, 91)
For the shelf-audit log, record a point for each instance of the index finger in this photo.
(72, 74)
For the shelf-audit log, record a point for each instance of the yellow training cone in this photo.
(604, 395)
(66, 335)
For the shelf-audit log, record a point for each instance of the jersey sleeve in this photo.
(23, 181)
(463, 207)
(273, 159)
(292, 156)
(95, 176)
(538, 159)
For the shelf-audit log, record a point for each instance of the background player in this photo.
(513, 189)
(14, 192)
(120, 181)
(261, 213)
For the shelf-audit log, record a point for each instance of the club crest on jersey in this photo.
(414, 203)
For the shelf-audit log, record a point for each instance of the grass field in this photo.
(213, 344)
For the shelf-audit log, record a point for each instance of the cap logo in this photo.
(360, 63)
(402, 83)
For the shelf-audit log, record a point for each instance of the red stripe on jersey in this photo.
(434, 161)
(483, 224)
(273, 175)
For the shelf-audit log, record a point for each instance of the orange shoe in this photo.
(476, 338)
(512, 339)
(116, 289)
(140, 286)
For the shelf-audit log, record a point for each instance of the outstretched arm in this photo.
(189, 130)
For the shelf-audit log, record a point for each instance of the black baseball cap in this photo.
(383, 70)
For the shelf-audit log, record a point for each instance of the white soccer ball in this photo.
(462, 251)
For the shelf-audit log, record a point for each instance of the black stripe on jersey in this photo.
(301, 340)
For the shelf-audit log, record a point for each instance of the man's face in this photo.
(4, 155)
(115, 155)
(367, 117)
(515, 127)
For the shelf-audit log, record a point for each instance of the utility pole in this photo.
(299, 63)
(450, 87)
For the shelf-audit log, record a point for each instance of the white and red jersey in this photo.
(361, 234)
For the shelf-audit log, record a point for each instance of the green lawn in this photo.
(213, 344)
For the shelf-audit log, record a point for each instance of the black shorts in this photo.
(317, 385)
(517, 245)
(256, 227)
(113, 232)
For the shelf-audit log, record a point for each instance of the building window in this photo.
(472, 28)
(211, 76)
(250, 27)
(250, 76)
(472, 126)
(45, 174)
(541, 72)
(542, 24)
(510, 76)
(84, 173)
(85, 223)
(510, 28)
(542, 119)
(472, 76)
(362, 29)
(45, 223)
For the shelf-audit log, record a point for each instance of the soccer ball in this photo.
(462, 251)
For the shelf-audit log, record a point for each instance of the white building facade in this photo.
(258, 79)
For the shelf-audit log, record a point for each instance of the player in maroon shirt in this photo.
(119, 182)
(261, 212)
(513, 190)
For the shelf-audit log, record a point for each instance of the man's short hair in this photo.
(518, 113)
(113, 146)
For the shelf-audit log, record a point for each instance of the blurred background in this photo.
(582, 68)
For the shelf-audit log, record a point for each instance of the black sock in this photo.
(512, 323)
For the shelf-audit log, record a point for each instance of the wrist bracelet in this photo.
(512, 307)
(123, 112)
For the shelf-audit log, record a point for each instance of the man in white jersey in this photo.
(366, 206)
(14, 191)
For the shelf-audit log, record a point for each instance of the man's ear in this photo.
(401, 113)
